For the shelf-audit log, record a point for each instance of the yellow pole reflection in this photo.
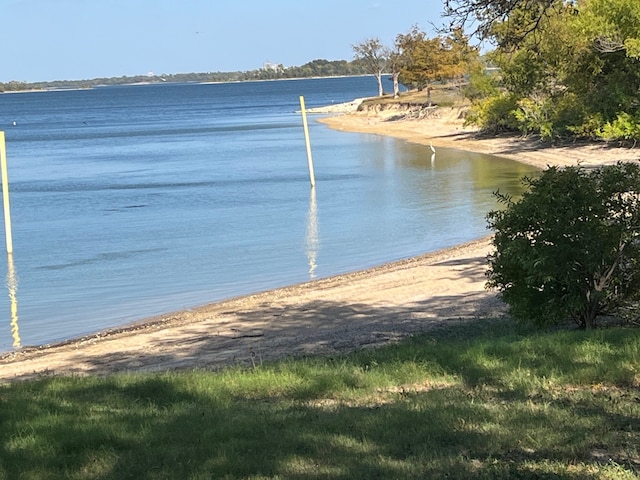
(12, 285)
(312, 241)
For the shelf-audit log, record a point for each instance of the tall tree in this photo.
(425, 64)
(613, 25)
(434, 59)
(573, 71)
(375, 56)
(404, 46)
(396, 63)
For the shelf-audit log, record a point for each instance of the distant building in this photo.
(272, 66)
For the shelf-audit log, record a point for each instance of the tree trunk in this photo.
(591, 310)
(428, 96)
(396, 85)
(379, 79)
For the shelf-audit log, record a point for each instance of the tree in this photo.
(613, 25)
(522, 16)
(570, 247)
(396, 63)
(570, 69)
(459, 57)
(375, 57)
(427, 60)
(404, 46)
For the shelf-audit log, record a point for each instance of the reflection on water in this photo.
(312, 241)
(12, 285)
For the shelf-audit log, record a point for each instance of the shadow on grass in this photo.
(526, 406)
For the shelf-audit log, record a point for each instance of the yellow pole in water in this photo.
(306, 137)
(5, 193)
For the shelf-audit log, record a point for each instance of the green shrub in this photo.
(533, 117)
(590, 128)
(495, 114)
(481, 85)
(570, 247)
(554, 117)
(625, 127)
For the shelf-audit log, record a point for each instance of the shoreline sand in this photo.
(327, 316)
(447, 130)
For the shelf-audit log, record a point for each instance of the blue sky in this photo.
(81, 39)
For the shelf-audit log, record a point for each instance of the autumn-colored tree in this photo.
(434, 59)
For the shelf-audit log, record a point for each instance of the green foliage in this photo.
(574, 67)
(482, 84)
(315, 68)
(624, 127)
(590, 128)
(534, 116)
(570, 247)
(612, 25)
(482, 15)
(551, 117)
(479, 400)
(632, 47)
(495, 114)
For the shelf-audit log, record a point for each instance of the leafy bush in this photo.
(556, 116)
(590, 128)
(624, 128)
(533, 117)
(570, 247)
(494, 114)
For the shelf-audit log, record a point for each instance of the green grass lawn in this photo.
(485, 400)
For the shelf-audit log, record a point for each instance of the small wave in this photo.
(128, 131)
(70, 187)
(103, 257)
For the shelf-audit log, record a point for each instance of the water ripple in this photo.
(103, 257)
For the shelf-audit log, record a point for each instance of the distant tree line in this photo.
(315, 68)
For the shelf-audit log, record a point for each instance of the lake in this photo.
(133, 201)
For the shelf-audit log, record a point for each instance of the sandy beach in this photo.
(327, 316)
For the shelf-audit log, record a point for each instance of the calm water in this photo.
(133, 201)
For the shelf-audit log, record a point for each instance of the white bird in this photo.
(433, 150)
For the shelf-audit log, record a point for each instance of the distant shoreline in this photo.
(131, 84)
